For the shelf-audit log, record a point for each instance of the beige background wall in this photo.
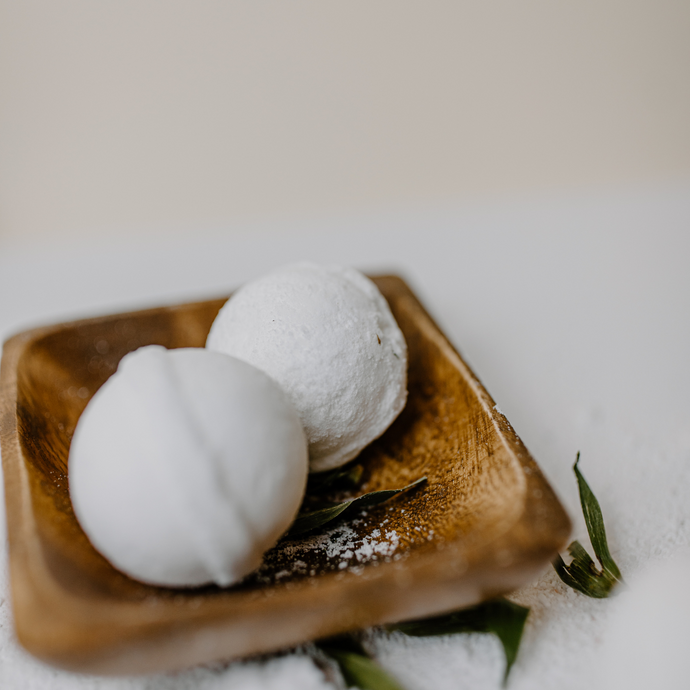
(153, 114)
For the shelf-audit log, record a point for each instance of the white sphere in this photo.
(327, 336)
(186, 466)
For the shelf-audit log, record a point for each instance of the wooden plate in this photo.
(486, 521)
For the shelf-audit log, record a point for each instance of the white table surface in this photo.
(573, 309)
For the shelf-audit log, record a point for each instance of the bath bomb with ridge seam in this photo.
(186, 466)
(328, 337)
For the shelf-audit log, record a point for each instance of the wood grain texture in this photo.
(485, 522)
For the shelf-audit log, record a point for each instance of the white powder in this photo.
(650, 630)
(342, 548)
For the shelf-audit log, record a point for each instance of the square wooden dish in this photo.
(485, 522)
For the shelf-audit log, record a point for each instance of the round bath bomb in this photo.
(186, 466)
(327, 336)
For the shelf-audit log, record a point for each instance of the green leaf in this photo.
(582, 573)
(358, 669)
(501, 617)
(577, 573)
(347, 477)
(595, 524)
(304, 522)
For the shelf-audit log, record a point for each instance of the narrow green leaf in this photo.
(582, 574)
(358, 669)
(595, 523)
(304, 522)
(308, 521)
(501, 617)
(362, 672)
(508, 624)
(347, 477)
(564, 573)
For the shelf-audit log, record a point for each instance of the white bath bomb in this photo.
(327, 336)
(186, 466)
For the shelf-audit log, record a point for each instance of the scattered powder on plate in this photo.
(342, 549)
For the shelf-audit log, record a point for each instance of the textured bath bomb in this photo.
(186, 466)
(327, 336)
